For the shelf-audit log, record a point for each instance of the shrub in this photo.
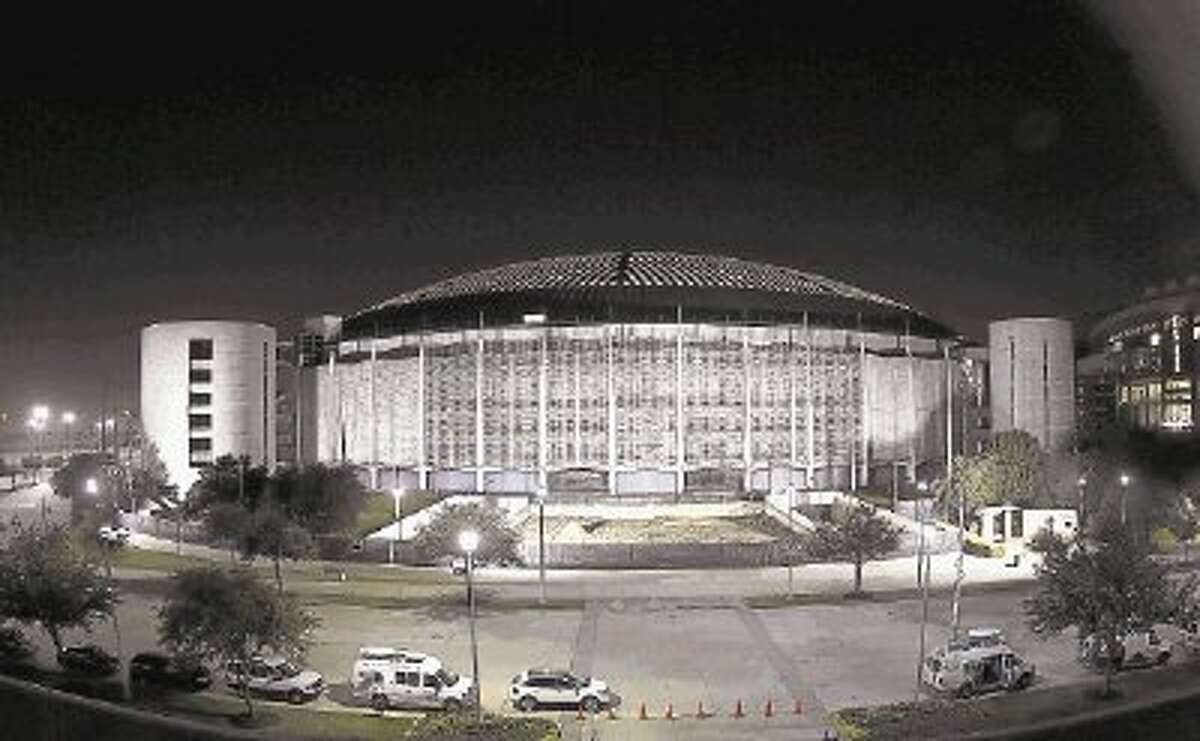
(980, 549)
(1164, 540)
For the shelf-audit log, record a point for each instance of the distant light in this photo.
(110, 423)
(1124, 479)
(1155, 339)
(68, 418)
(534, 318)
(90, 486)
(468, 541)
(40, 412)
(1082, 481)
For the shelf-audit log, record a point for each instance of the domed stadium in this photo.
(635, 372)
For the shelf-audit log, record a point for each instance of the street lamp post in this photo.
(68, 420)
(922, 580)
(1082, 482)
(541, 502)
(1124, 493)
(468, 541)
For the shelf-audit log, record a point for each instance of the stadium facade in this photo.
(635, 372)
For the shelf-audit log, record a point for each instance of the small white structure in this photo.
(1009, 524)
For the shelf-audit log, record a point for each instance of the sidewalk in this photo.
(579, 584)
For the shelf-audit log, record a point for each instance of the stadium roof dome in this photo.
(637, 286)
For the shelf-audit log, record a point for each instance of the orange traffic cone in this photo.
(769, 710)
(642, 713)
(737, 710)
(670, 712)
(799, 707)
(700, 712)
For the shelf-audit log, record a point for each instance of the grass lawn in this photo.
(380, 510)
(944, 718)
(305, 722)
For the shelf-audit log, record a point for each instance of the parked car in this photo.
(397, 677)
(114, 534)
(1135, 648)
(89, 659)
(275, 678)
(537, 688)
(170, 672)
(970, 671)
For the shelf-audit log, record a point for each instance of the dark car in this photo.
(168, 672)
(90, 659)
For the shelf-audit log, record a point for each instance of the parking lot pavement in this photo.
(866, 653)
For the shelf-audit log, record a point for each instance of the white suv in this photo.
(548, 688)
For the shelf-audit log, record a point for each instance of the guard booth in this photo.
(1009, 525)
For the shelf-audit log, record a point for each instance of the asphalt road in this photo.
(661, 652)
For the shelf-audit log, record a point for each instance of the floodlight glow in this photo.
(68, 418)
(468, 541)
(40, 412)
(1124, 479)
(90, 486)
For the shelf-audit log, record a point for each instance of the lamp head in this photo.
(468, 541)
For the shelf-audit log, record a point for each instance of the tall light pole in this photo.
(68, 421)
(468, 541)
(1124, 493)
(1082, 483)
(397, 495)
(541, 502)
(922, 581)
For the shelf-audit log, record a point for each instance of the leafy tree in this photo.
(323, 499)
(855, 533)
(145, 472)
(231, 616)
(230, 480)
(1103, 588)
(227, 522)
(45, 579)
(1011, 469)
(272, 533)
(497, 541)
(1185, 523)
(69, 481)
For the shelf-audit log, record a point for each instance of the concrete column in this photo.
(680, 441)
(512, 412)
(793, 451)
(479, 413)
(374, 422)
(912, 408)
(747, 442)
(542, 412)
(865, 458)
(949, 412)
(578, 442)
(612, 415)
(852, 442)
(422, 459)
(810, 412)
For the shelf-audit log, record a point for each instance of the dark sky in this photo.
(975, 159)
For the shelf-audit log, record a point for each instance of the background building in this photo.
(636, 372)
(1032, 370)
(1144, 356)
(208, 389)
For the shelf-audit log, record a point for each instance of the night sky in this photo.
(974, 159)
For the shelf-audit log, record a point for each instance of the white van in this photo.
(399, 678)
(970, 671)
